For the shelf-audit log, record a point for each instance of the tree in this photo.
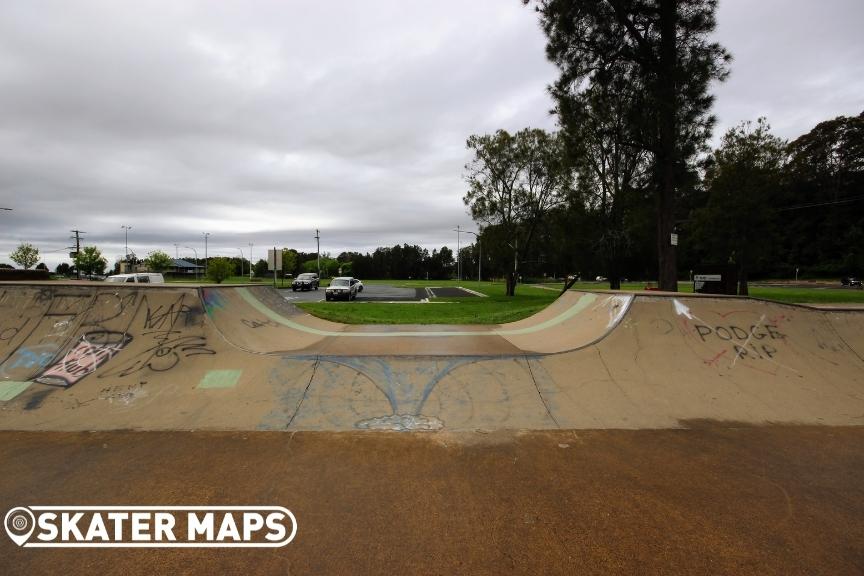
(158, 261)
(289, 261)
(25, 255)
(42, 266)
(89, 260)
(513, 182)
(611, 171)
(661, 48)
(261, 268)
(219, 269)
(63, 269)
(823, 212)
(743, 179)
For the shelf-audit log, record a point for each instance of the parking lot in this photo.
(370, 293)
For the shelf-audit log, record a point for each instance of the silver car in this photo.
(342, 288)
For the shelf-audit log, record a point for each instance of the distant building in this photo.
(186, 268)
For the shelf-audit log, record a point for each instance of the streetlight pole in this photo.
(250, 261)
(242, 260)
(480, 257)
(318, 250)
(196, 261)
(206, 235)
(127, 228)
(458, 231)
(176, 251)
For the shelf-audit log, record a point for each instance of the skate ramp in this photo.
(258, 320)
(163, 358)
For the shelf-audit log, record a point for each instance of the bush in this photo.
(218, 269)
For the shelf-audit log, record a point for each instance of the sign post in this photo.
(274, 262)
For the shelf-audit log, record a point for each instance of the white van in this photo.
(139, 278)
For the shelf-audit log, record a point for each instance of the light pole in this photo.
(176, 251)
(458, 231)
(206, 235)
(318, 250)
(127, 228)
(480, 257)
(242, 260)
(250, 261)
(196, 261)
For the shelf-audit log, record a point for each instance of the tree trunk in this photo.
(666, 153)
(511, 284)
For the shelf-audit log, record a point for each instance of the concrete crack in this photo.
(305, 392)
(539, 393)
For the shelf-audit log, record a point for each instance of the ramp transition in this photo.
(76, 357)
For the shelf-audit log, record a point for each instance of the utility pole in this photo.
(458, 250)
(127, 228)
(206, 235)
(77, 250)
(318, 250)
(176, 251)
(250, 261)
(480, 257)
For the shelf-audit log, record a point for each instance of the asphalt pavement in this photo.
(370, 293)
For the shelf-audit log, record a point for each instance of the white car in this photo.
(139, 278)
(342, 288)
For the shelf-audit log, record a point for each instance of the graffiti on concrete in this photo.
(256, 323)
(165, 339)
(92, 351)
(28, 358)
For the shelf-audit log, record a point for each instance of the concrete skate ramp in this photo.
(259, 320)
(99, 357)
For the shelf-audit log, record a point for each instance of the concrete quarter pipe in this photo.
(242, 358)
(608, 434)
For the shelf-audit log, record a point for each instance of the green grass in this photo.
(791, 294)
(496, 308)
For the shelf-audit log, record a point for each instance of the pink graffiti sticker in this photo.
(92, 351)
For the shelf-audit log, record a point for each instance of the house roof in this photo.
(180, 263)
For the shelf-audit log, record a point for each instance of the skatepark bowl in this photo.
(726, 397)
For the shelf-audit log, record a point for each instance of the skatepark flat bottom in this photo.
(708, 499)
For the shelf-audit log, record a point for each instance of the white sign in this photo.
(274, 259)
(673, 239)
(707, 278)
(150, 526)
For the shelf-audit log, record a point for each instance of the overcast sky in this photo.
(261, 121)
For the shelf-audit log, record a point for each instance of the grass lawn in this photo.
(498, 308)
(791, 294)
(495, 309)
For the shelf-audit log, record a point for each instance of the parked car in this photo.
(342, 288)
(359, 285)
(305, 281)
(138, 278)
(851, 282)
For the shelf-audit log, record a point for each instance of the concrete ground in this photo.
(712, 499)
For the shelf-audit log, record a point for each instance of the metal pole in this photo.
(206, 235)
(318, 250)
(250, 261)
(196, 260)
(274, 266)
(127, 228)
(242, 261)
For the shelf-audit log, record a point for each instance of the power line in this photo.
(817, 204)
(78, 234)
